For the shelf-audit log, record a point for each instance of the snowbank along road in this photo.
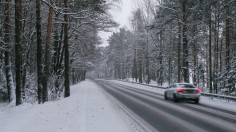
(162, 115)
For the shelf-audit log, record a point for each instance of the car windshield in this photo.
(187, 86)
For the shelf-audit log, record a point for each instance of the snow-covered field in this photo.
(88, 109)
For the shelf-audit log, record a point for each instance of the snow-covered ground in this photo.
(88, 109)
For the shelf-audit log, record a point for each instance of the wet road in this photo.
(167, 116)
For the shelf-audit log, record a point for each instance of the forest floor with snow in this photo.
(88, 109)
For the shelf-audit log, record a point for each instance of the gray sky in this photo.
(121, 16)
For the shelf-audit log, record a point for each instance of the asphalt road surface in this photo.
(167, 116)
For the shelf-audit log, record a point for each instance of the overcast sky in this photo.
(122, 16)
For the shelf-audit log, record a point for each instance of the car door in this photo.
(168, 92)
(172, 90)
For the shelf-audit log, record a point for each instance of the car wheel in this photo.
(196, 101)
(175, 98)
(165, 96)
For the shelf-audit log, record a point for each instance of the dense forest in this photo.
(176, 41)
(48, 45)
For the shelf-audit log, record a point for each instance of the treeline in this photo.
(177, 41)
(47, 45)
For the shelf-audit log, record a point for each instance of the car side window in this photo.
(172, 86)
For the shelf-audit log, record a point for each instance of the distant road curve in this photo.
(167, 116)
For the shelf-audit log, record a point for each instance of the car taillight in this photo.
(198, 90)
(180, 90)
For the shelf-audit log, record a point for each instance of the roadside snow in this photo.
(219, 103)
(86, 110)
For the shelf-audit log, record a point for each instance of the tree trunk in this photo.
(66, 45)
(18, 30)
(39, 50)
(170, 56)
(140, 66)
(179, 52)
(56, 39)
(1, 52)
(227, 38)
(7, 40)
(55, 48)
(228, 48)
(147, 61)
(209, 52)
(47, 53)
(59, 59)
(221, 54)
(160, 80)
(185, 45)
(195, 56)
(135, 71)
(84, 75)
(195, 62)
(217, 21)
(234, 50)
(170, 67)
